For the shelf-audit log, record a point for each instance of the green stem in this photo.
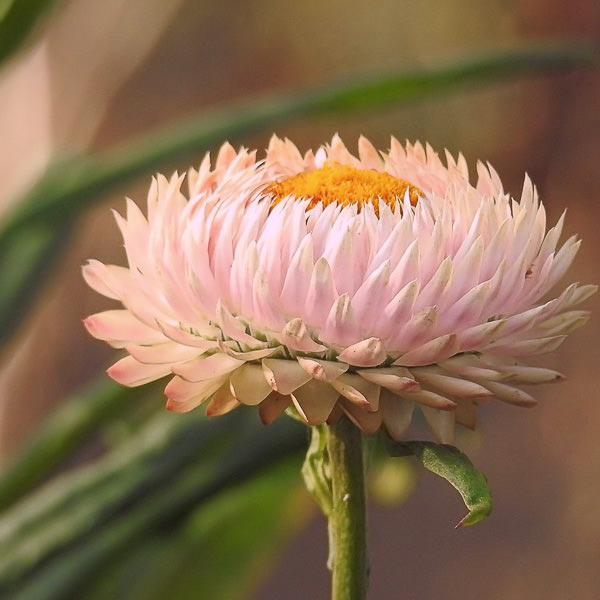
(347, 521)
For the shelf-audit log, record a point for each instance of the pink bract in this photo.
(333, 309)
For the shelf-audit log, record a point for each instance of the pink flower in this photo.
(338, 284)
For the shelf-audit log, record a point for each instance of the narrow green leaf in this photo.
(74, 503)
(203, 536)
(455, 467)
(25, 261)
(18, 18)
(238, 531)
(66, 428)
(153, 480)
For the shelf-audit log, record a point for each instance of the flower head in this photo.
(338, 284)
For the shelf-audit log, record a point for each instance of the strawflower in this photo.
(336, 284)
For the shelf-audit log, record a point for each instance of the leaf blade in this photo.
(454, 466)
(154, 477)
(18, 18)
(69, 425)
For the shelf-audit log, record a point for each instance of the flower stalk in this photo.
(347, 520)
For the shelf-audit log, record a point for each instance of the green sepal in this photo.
(455, 467)
(316, 470)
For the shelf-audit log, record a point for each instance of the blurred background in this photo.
(96, 74)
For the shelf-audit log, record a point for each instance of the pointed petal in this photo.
(531, 375)
(341, 327)
(366, 420)
(322, 370)
(315, 401)
(210, 367)
(418, 329)
(361, 392)
(472, 367)
(188, 337)
(432, 399)
(527, 347)
(369, 156)
(108, 280)
(466, 414)
(453, 386)
(272, 407)
(441, 423)
(284, 376)
(183, 396)
(564, 323)
(321, 294)
(166, 352)
(479, 335)
(436, 286)
(222, 402)
(510, 394)
(226, 347)
(295, 335)
(131, 373)
(366, 353)
(470, 306)
(248, 384)
(234, 328)
(395, 379)
(431, 352)
(398, 309)
(298, 277)
(370, 298)
(580, 294)
(120, 327)
(397, 414)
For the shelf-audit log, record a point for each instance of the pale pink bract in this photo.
(338, 310)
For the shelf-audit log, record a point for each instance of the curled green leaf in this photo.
(455, 467)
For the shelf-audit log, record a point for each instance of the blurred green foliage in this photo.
(165, 480)
(18, 18)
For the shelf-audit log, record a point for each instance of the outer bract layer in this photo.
(338, 307)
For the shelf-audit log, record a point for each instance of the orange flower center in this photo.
(344, 185)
